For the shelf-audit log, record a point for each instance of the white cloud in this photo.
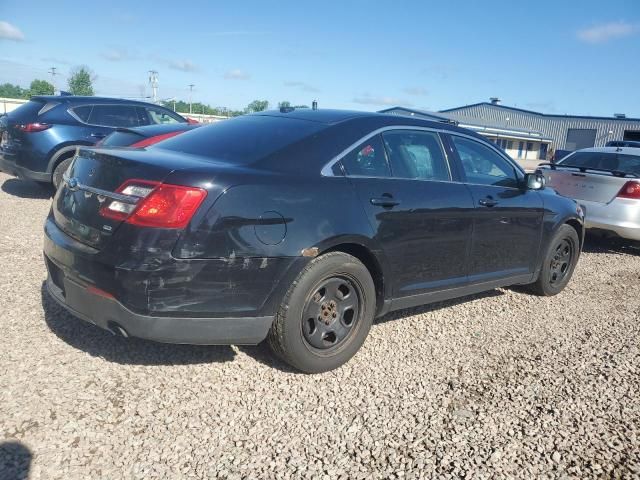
(116, 54)
(236, 74)
(305, 87)
(607, 31)
(418, 91)
(183, 65)
(367, 99)
(10, 32)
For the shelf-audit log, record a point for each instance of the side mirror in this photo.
(535, 181)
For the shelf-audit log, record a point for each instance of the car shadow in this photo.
(598, 244)
(27, 189)
(434, 307)
(15, 460)
(130, 351)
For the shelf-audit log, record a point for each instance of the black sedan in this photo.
(299, 227)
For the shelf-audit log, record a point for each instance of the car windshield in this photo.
(603, 161)
(242, 140)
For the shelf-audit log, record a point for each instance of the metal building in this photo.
(567, 132)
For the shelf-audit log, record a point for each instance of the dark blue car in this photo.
(39, 139)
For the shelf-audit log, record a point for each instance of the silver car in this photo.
(606, 183)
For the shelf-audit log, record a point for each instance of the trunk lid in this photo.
(596, 187)
(93, 180)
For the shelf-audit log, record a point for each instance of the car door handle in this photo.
(487, 202)
(98, 135)
(384, 202)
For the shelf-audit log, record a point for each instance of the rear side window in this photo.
(604, 161)
(416, 155)
(83, 112)
(367, 160)
(242, 140)
(114, 116)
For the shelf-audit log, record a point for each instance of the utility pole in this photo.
(190, 95)
(53, 73)
(153, 81)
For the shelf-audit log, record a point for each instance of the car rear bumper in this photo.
(109, 314)
(204, 301)
(621, 216)
(10, 167)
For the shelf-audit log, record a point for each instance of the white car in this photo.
(606, 183)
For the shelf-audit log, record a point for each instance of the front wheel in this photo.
(326, 314)
(558, 263)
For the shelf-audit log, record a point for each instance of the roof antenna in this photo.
(314, 105)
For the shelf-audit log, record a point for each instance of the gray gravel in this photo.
(499, 385)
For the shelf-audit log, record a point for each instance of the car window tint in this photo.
(160, 117)
(244, 139)
(83, 112)
(114, 116)
(415, 154)
(603, 160)
(484, 166)
(368, 159)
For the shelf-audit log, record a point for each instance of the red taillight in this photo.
(168, 206)
(160, 205)
(152, 140)
(630, 190)
(33, 127)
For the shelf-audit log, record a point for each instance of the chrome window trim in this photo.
(328, 172)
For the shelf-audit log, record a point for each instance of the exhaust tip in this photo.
(117, 330)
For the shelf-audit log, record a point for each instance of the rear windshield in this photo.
(121, 139)
(242, 140)
(603, 161)
(27, 112)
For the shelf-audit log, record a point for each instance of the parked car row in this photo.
(39, 139)
(298, 227)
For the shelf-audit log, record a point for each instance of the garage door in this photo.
(578, 138)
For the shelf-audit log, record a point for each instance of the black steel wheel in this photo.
(558, 262)
(325, 315)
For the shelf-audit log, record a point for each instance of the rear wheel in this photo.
(558, 263)
(58, 172)
(326, 314)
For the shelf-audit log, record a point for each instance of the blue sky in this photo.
(551, 56)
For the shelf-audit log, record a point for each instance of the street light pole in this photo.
(190, 95)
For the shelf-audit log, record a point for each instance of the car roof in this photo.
(624, 150)
(90, 100)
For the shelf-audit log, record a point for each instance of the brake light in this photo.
(159, 205)
(33, 127)
(152, 140)
(630, 190)
(168, 206)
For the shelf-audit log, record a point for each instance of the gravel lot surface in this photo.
(498, 385)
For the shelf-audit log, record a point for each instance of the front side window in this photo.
(482, 165)
(416, 154)
(114, 116)
(367, 160)
(158, 116)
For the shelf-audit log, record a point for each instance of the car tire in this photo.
(326, 314)
(58, 172)
(558, 263)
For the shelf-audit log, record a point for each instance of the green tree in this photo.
(8, 90)
(40, 87)
(257, 106)
(81, 81)
(284, 104)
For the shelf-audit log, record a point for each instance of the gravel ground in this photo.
(498, 385)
